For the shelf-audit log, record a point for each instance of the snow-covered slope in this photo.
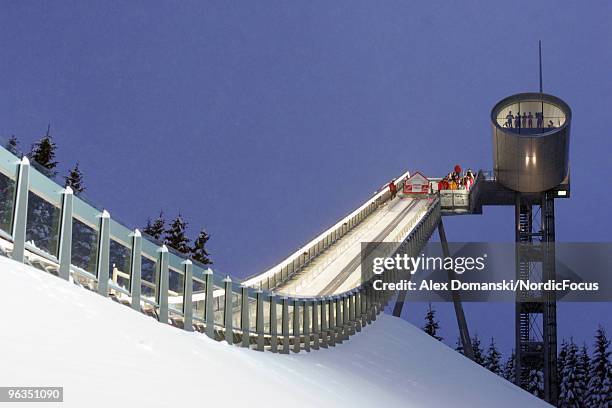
(105, 354)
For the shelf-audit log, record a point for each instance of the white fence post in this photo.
(209, 311)
(188, 295)
(20, 212)
(65, 235)
(228, 311)
(103, 261)
(136, 269)
(162, 284)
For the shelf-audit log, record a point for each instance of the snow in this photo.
(313, 279)
(105, 354)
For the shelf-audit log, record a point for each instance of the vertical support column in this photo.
(324, 328)
(228, 311)
(163, 284)
(188, 295)
(20, 212)
(331, 323)
(339, 319)
(357, 310)
(65, 235)
(351, 303)
(209, 311)
(259, 320)
(306, 319)
(296, 326)
(315, 324)
(346, 317)
(285, 325)
(103, 261)
(136, 269)
(245, 323)
(273, 325)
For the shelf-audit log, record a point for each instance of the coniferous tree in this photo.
(571, 385)
(459, 346)
(583, 367)
(599, 388)
(561, 363)
(535, 385)
(176, 235)
(157, 227)
(509, 373)
(431, 324)
(74, 179)
(13, 145)
(492, 360)
(478, 352)
(198, 250)
(43, 152)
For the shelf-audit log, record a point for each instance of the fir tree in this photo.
(599, 388)
(571, 383)
(156, 228)
(74, 179)
(561, 363)
(198, 250)
(492, 360)
(583, 367)
(176, 235)
(535, 385)
(478, 352)
(431, 324)
(509, 370)
(13, 145)
(459, 346)
(43, 152)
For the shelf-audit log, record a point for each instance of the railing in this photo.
(46, 226)
(281, 273)
(459, 200)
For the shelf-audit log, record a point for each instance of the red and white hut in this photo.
(416, 184)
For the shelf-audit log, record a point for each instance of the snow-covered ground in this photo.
(105, 354)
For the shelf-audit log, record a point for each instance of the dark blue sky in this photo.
(267, 121)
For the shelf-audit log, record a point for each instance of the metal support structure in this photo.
(20, 212)
(188, 295)
(136, 269)
(65, 235)
(464, 333)
(536, 320)
(163, 283)
(103, 260)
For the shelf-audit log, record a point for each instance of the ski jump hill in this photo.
(308, 331)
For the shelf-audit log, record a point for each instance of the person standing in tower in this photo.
(517, 120)
(530, 120)
(524, 121)
(509, 119)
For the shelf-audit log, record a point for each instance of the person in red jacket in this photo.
(393, 189)
(443, 185)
